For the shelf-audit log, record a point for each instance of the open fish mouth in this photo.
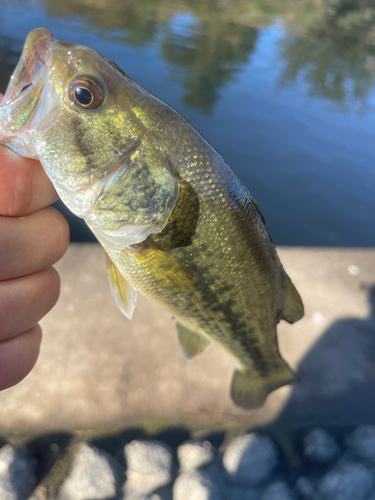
(23, 108)
(35, 57)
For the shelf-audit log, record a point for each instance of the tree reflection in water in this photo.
(336, 54)
(330, 44)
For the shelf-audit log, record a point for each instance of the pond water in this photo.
(284, 91)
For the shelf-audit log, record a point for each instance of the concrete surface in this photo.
(98, 370)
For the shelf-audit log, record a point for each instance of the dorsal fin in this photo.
(192, 343)
(123, 292)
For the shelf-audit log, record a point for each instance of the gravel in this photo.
(250, 459)
(17, 477)
(278, 491)
(193, 455)
(94, 475)
(251, 468)
(346, 481)
(196, 485)
(362, 443)
(320, 446)
(149, 467)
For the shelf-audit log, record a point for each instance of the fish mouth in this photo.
(34, 60)
(23, 108)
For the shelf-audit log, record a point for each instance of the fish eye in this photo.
(86, 93)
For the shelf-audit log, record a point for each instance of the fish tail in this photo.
(293, 306)
(250, 388)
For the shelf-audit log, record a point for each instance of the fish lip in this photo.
(32, 66)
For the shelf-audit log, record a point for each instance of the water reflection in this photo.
(330, 44)
(202, 41)
(206, 56)
(207, 42)
(132, 22)
(335, 55)
(240, 71)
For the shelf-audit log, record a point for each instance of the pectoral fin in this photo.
(192, 344)
(123, 292)
(250, 388)
(166, 270)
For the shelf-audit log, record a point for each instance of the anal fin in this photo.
(250, 388)
(293, 306)
(123, 292)
(192, 344)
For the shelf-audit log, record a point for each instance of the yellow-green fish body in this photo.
(175, 221)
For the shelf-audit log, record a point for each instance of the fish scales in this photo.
(176, 222)
(225, 252)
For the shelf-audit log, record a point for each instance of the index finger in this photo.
(24, 186)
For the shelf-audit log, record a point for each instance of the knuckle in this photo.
(59, 233)
(3, 313)
(52, 287)
(32, 338)
(15, 192)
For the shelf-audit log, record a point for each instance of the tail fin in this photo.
(293, 306)
(250, 388)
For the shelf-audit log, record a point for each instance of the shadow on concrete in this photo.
(337, 377)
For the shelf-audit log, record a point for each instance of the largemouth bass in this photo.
(175, 221)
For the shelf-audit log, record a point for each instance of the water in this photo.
(284, 91)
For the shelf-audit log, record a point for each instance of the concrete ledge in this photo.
(97, 370)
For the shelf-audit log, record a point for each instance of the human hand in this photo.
(33, 237)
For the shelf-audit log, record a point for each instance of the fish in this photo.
(175, 221)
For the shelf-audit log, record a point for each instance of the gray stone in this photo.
(17, 478)
(306, 490)
(160, 496)
(346, 481)
(240, 493)
(40, 493)
(362, 442)
(278, 491)
(149, 467)
(196, 485)
(250, 459)
(195, 454)
(94, 474)
(164, 493)
(320, 446)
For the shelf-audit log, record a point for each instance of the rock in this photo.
(250, 459)
(17, 477)
(306, 490)
(362, 443)
(320, 446)
(159, 496)
(195, 454)
(149, 467)
(164, 493)
(346, 481)
(40, 493)
(94, 474)
(196, 485)
(239, 493)
(278, 491)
